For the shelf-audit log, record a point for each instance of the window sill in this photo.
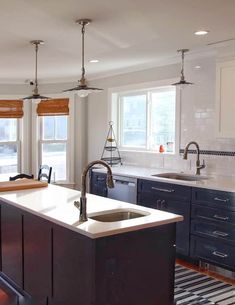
(148, 152)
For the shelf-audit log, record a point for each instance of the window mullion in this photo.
(148, 119)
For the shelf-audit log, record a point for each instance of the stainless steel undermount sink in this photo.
(179, 176)
(113, 216)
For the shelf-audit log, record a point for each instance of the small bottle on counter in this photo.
(161, 148)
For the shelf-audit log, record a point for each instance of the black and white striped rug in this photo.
(193, 288)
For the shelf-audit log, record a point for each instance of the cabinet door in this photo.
(98, 184)
(182, 227)
(72, 268)
(136, 268)
(225, 107)
(158, 201)
(12, 236)
(37, 258)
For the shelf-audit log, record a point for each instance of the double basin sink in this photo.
(127, 214)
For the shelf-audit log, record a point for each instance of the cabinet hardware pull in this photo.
(158, 203)
(222, 200)
(221, 217)
(220, 254)
(163, 204)
(219, 233)
(163, 190)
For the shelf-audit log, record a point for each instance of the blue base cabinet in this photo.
(98, 184)
(213, 227)
(170, 198)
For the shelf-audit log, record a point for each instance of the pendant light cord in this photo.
(182, 66)
(36, 67)
(82, 80)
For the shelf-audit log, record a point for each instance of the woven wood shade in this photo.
(11, 109)
(51, 107)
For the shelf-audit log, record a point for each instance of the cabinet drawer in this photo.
(223, 216)
(213, 229)
(168, 190)
(216, 199)
(216, 252)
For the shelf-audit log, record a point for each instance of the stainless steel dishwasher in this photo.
(125, 189)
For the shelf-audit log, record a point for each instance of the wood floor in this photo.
(203, 271)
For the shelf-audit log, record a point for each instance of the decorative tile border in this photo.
(210, 152)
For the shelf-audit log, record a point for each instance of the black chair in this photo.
(21, 176)
(44, 173)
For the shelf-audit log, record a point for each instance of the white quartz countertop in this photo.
(213, 182)
(56, 204)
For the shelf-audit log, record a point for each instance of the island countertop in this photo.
(56, 204)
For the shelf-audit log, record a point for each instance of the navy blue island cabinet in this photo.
(43, 263)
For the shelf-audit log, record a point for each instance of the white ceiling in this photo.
(125, 35)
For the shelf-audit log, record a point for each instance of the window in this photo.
(54, 145)
(147, 119)
(9, 146)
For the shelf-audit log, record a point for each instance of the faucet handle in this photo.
(77, 204)
(203, 163)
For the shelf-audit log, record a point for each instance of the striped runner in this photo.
(194, 288)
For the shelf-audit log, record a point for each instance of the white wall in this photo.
(197, 118)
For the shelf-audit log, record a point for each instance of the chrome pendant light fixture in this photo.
(36, 94)
(83, 89)
(182, 81)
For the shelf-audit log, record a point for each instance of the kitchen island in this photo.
(52, 259)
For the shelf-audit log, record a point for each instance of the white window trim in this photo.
(20, 130)
(36, 155)
(113, 111)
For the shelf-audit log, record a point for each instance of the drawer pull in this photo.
(219, 233)
(220, 254)
(221, 200)
(162, 190)
(221, 217)
(101, 179)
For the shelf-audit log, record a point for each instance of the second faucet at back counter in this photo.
(199, 166)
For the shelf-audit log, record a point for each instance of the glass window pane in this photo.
(8, 130)
(54, 155)
(163, 120)
(134, 122)
(48, 128)
(8, 158)
(61, 127)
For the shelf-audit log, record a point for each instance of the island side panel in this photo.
(136, 268)
(12, 237)
(38, 258)
(72, 268)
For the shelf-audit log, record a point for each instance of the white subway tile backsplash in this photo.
(197, 124)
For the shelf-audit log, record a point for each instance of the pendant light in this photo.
(82, 89)
(36, 94)
(182, 81)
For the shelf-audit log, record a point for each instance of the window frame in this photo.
(41, 142)
(36, 153)
(17, 142)
(114, 111)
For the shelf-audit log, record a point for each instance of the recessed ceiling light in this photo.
(197, 67)
(201, 32)
(94, 61)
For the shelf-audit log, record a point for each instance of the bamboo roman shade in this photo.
(11, 109)
(51, 107)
